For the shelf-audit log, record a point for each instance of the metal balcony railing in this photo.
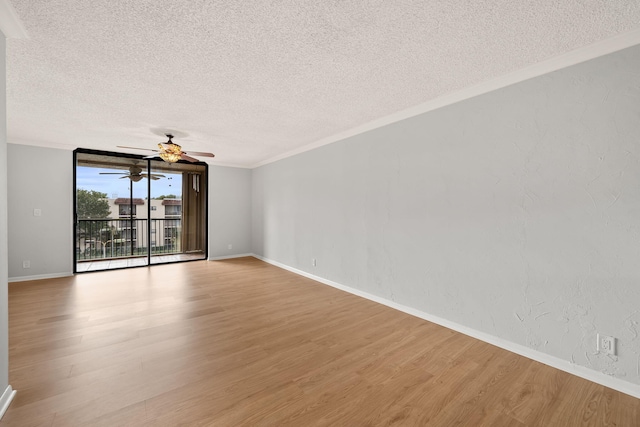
(124, 238)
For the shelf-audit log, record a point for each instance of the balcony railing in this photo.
(123, 238)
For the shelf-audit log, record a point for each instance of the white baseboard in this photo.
(219, 258)
(6, 399)
(39, 277)
(555, 362)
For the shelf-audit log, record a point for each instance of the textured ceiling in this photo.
(252, 81)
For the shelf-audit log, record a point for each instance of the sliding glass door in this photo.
(131, 211)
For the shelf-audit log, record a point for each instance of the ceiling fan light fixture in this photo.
(170, 151)
(170, 157)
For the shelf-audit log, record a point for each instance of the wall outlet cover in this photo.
(606, 344)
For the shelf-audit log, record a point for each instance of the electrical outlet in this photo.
(313, 262)
(606, 344)
(26, 264)
(229, 246)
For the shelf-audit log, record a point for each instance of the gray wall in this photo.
(229, 211)
(515, 213)
(40, 178)
(4, 271)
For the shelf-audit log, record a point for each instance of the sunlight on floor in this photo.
(97, 265)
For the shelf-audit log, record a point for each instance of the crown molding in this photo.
(70, 147)
(33, 143)
(586, 53)
(10, 23)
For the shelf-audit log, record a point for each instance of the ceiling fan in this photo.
(135, 174)
(171, 152)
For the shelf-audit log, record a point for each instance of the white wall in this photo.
(40, 178)
(515, 213)
(229, 211)
(4, 271)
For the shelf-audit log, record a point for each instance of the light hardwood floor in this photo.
(243, 343)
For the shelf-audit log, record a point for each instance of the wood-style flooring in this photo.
(244, 343)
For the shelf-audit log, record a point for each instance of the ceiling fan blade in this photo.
(197, 153)
(136, 148)
(153, 156)
(187, 158)
(126, 176)
(113, 173)
(154, 175)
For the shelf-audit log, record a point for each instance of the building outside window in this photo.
(125, 210)
(172, 207)
(125, 205)
(175, 210)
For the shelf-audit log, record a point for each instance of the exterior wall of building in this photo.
(158, 209)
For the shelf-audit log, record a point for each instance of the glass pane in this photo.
(111, 212)
(178, 210)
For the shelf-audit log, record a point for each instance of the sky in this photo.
(115, 186)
